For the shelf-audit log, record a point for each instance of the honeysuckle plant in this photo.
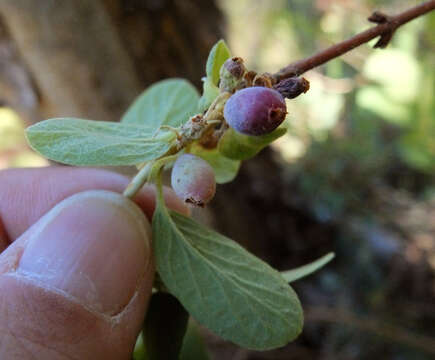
(219, 283)
(202, 274)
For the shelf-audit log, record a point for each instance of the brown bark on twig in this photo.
(385, 29)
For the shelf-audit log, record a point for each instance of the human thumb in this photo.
(76, 284)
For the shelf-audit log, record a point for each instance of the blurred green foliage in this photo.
(370, 102)
(359, 157)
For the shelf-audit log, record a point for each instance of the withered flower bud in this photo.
(263, 80)
(249, 77)
(235, 67)
(231, 74)
(292, 87)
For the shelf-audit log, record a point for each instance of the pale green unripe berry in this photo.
(193, 180)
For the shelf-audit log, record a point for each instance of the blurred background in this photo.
(354, 175)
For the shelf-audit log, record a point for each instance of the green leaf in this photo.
(300, 272)
(224, 287)
(225, 169)
(164, 327)
(139, 349)
(210, 93)
(193, 344)
(217, 56)
(241, 147)
(96, 143)
(169, 102)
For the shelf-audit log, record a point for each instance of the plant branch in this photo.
(138, 181)
(386, 27)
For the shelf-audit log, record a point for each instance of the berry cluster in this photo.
(253, 106)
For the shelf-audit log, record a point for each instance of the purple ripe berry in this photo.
(255, 110)
(193, 180)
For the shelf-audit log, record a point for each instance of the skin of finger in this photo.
(87, 335)
(27, 194)
(40, 322)
(56, 327)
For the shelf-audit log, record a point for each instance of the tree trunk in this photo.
(90, 59)
(75, 55)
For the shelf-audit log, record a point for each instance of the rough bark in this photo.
(75, 56)
(17, 88)
(167, 38)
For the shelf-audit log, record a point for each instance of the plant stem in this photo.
(137, 182)
(385, 29)
(149, 172)
(215, 110)
(146, 171)
(158, 165)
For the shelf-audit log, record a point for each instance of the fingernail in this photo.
(93, 247)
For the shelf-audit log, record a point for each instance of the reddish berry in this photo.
(193, 180)
(255, 111)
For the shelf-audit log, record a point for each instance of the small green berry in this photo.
(193, 180)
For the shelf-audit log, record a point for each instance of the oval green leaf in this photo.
(169, 102)
(242, 147)
(219, 53)
(223, 286)
(96, 143)
(139, 349)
